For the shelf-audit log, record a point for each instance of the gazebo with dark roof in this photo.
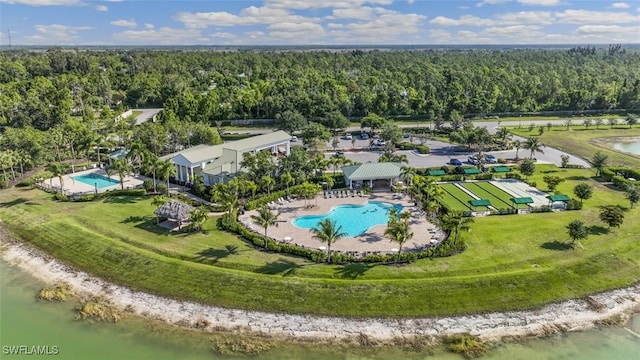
(559, 197)
(174, 210)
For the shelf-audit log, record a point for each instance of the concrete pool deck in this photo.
(73, 187)
(425, 234)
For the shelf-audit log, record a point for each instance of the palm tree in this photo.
(399, 232)
(251, 187)
(267, 182)
(264, 219)
(198, 216)
(455, 222)
(287, 179)
(504, 136)
(517, 144)
(534, 145)
(137, 154)
(151, 165)
(328, 233)
(122, 168)
(165, 170)
(330, 180)
(56, 169)
(407, 173)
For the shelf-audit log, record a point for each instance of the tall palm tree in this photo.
(328, 233)
(455, 222)
(120, 167)
(198, 216)
(534, 145)
(287, 179)
(504, 136)
(251, 187)
(267, 183)
(151, 165)
(57, 169)
(137, 154)
(517, 144)
(165, 170)
(399, 231)
(264, 219)
(407, 173)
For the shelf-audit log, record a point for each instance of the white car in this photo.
(294, 138)
(347, 137)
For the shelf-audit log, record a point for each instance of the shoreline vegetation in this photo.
(603, 309)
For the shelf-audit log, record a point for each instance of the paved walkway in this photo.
(73, 186)
(373, 241)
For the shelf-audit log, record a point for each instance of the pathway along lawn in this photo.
(512, 262)
(585, 143)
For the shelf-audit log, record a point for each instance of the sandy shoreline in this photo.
(564, 316)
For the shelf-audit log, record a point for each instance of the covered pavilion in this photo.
(174, 211)
(357, 174)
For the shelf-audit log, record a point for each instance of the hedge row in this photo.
(619, 176)
(264, 200)
(448, 248)
(107, 194)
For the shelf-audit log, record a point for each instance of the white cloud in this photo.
(321, 4)
(491, 2)
(464, 20)
(383, 29)
(148, 26)
(124, 23)
(224, 35)
(620, 5)
(603, 17)
(164, 36)
(540, 2)
(296, 32)
(335, 26)
(102, 8)
(608, 29)
(45, 2)
(410, 2)
(55, 34)
(512, 31)
(248, 16)
(361, 13)
(525, 17)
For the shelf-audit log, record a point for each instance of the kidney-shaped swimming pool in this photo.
(354, 219)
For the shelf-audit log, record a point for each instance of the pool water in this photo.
(354, 219)
(94, 179)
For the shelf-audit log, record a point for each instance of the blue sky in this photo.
(330, 22)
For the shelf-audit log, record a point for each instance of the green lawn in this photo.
(460, 195)
(499, 199)
(512, 262)
(585, 143)
(454, 204)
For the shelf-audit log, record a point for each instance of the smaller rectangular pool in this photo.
(98, 180)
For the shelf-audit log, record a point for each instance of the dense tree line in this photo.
(41, 89)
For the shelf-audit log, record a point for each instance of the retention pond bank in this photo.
(604, 308)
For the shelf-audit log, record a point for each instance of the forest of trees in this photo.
(58, 103)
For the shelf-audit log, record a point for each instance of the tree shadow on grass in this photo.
(557, 245)
(280, 266)
(123, 199)
(212, 255)
(598, 230)
(13, 202)
(353, 270)
(135, 219)
(151, 226)
(578, 178)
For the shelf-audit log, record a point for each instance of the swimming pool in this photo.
(98, 180)
(354, 219)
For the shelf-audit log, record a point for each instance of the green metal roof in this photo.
(522, 200)
(436, 172)
(372, 171)
(480, 202)
(501, 169)
(471, 171)
(560, 197)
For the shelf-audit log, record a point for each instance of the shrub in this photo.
(4, 183)
(147, 184)
(543, 208)
(161, 188)
(28, 182)
(406, 146)
(60, 196)
(484, 176)
(502, 161)
(514, 175)
(574, 204)
(423, 149)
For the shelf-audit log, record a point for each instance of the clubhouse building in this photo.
(219, 163)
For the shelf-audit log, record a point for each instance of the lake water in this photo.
(629, 147)
(25, 321)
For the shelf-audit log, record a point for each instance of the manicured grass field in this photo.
(585, 143)
(453, 203)
(462, 196)
(499, 199)
(511, 262)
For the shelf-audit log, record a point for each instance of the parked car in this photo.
(347, 137)
(364, 136)
(455, 162)
(491, 159)
(380, 142)
(294, 138)
(406, 135)
(473, 160)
